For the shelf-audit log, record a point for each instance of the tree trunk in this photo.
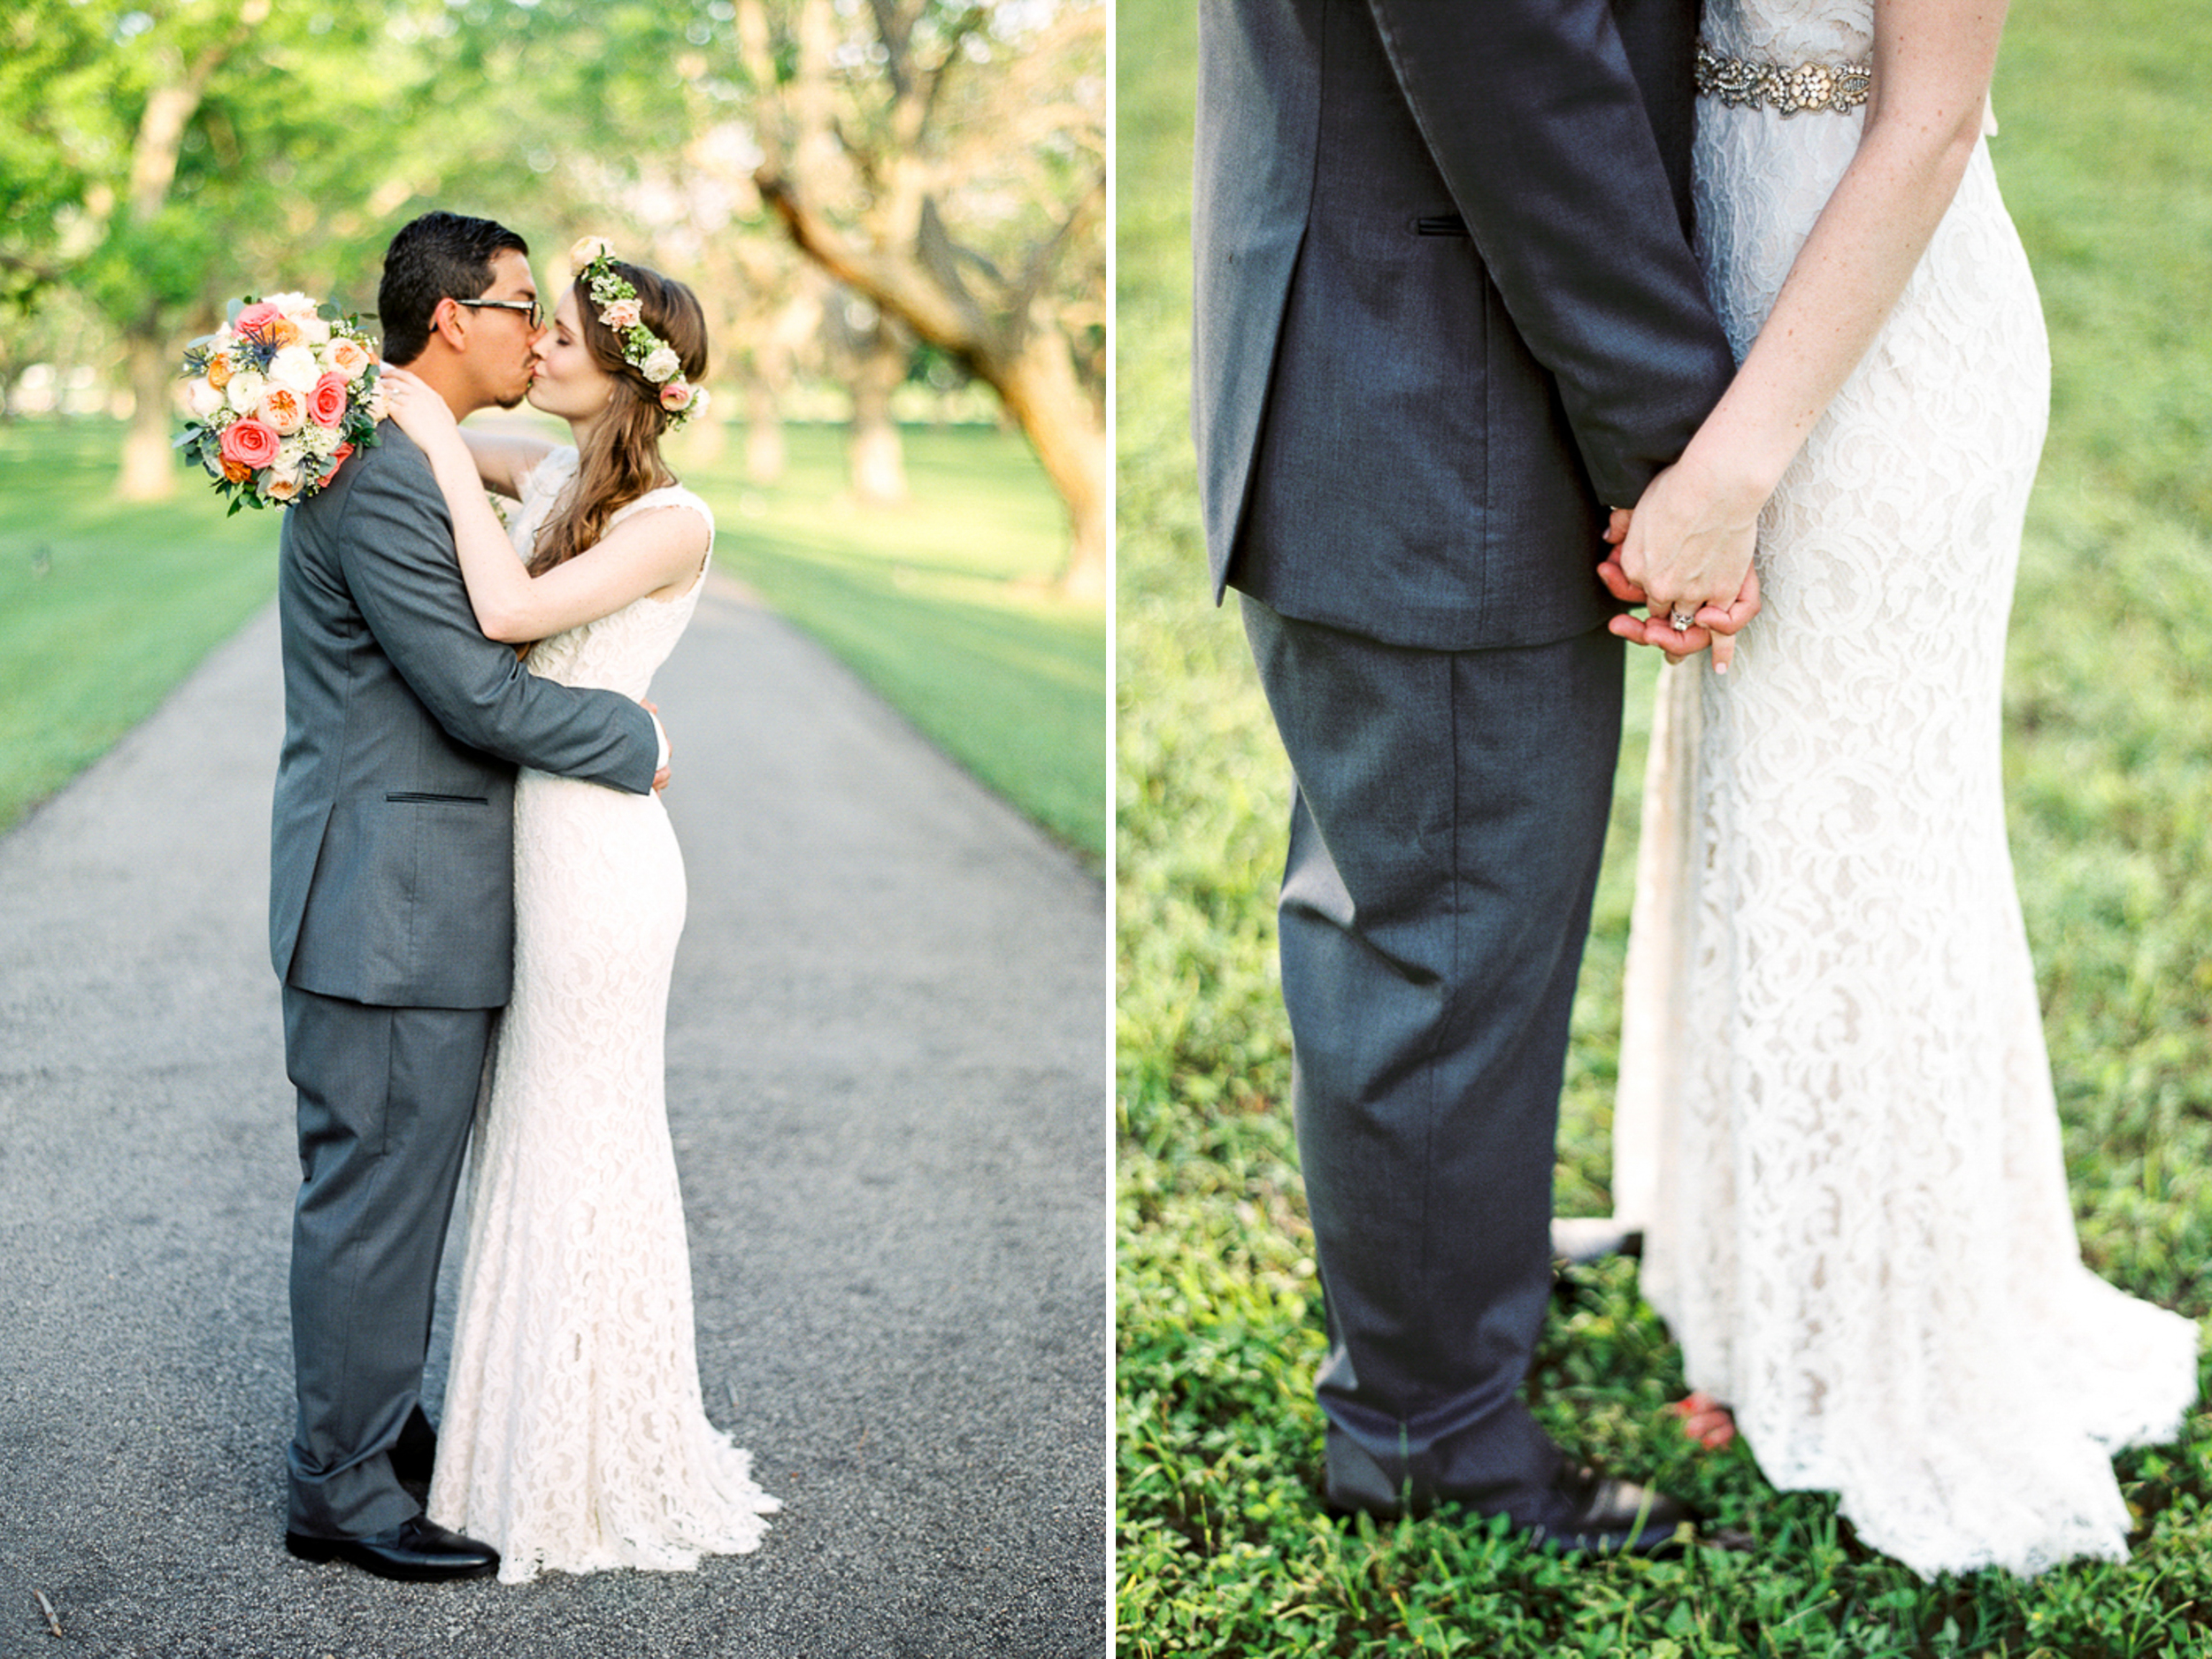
(764, 454)
(1039, 388)
(149, 467)
(148, 473)
(875, 455)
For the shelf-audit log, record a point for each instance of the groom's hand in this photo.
(1688, 546)
(1714, 626)
(660, 777)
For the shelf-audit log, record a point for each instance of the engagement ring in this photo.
(1681, 619)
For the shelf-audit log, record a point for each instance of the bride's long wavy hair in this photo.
(622, 459)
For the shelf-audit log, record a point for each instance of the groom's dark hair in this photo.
(438, 256)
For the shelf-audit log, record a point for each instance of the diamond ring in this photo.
(1681, 619)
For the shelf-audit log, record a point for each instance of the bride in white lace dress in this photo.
(1835, 1120)
(575, 1437)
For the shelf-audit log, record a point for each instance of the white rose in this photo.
(244, 391)
(296, 366)
(661, 364)
(293, 305)
(589, 249)
(314, 331)
(203, 399)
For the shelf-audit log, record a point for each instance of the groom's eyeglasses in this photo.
(528, 308)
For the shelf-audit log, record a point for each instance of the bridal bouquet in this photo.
(280, 396)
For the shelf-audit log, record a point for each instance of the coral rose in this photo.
(326, 403)
(255, 318)
(250, 442)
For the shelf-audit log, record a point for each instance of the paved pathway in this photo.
(887, 1087)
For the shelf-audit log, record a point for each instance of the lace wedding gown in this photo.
(575, 1437)
(1835, 1120)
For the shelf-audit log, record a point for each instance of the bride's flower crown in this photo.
(593, 257)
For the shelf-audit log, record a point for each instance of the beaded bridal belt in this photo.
(1788, 89)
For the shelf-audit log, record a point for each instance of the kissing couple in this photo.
(467, 821)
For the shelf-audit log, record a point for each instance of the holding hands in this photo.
(1685, 553)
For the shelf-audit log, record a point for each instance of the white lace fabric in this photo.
(1835, 1120)
(574, 1435)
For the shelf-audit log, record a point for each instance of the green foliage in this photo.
(276, 121)
(1222, 1549)
(104, 608)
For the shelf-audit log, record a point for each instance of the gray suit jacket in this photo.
(391, 854)
(1446, 303)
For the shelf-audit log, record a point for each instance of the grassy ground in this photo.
(103, 609)
(2109, 765)
(941, 605)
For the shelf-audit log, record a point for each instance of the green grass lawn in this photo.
(943, 605)
(103, 609)
(1222, 1549)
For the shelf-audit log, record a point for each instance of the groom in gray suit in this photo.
(1445, 311)
(391, 919)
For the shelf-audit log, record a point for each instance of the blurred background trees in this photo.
(890, 208)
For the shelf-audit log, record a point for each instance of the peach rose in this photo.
(348, 357)
(621, 314)
(589, 249)
(281, 488)
(251, 443)
(283, 409)
(326, 403)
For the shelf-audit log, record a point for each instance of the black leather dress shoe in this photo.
(1604, 1516)
(417, 1551)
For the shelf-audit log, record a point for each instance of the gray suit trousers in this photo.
(1445, 840)
(386, 1098)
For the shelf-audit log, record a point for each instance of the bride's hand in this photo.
(1687, 548)
(415, 410)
